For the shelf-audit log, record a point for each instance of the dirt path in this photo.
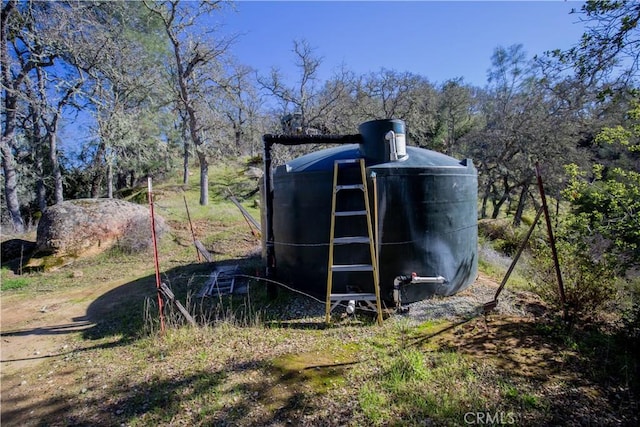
(45, 330)
(36, 329)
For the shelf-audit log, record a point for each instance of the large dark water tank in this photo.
(427, 216)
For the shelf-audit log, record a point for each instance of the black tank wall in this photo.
(427, 220)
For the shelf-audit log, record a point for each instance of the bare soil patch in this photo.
(40, 331)
(40, 328)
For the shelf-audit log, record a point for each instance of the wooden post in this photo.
(552, 241)
(193, 234)
(492, 304)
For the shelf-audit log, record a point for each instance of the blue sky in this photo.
(437, 39)
(440, 40)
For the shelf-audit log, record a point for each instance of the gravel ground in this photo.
(468, 303)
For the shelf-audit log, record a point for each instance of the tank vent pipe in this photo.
(393, 151)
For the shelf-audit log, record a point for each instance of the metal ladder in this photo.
(333, 300)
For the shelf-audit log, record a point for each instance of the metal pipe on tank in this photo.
(268, 206)
(397, 146)
(393, 153)
(419, 279)
(311, 139)
(351, 307)
(268, 142)
(404, 280)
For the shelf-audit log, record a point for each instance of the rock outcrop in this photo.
(77, 228)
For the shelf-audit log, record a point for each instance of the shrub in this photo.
(504, 237)
(606, 214)
(631, 313)
(230, 180)
(597, 240)
(588, 284)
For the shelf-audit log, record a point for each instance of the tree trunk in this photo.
(52, 139)
(96, 184)
(11, 184)
(41, 191)
(522, 202)
(10, 98)
(97, 171)
(485, 200)
(204, 179)
(557, 209)
(498, 205)
(36, 141)
(238, 135)
(202, 159)
(505, 195)
(185, 164)
(9, 162)
(109, 180)
(483, 210)
(121, 180)
(58, 194)
(198, 144)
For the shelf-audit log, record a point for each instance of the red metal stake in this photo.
(155, 255)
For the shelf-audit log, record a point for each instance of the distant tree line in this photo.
(162, 92)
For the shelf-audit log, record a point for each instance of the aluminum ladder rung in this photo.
(350, 239)
(343, 268)
(349, 187)
(351, 213)
(353, 296)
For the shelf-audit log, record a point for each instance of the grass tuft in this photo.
(9, 281)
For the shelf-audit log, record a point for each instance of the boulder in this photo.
(83, 227)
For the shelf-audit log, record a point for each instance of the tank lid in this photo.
(321, 160)
(422, 158)
(419, 158)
